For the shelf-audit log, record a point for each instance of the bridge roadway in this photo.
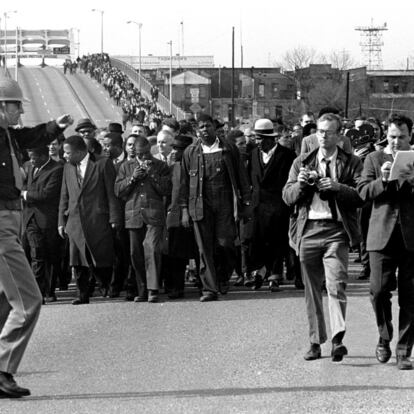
(242, 354)
(51, 93)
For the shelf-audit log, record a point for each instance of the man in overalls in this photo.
(214, 186)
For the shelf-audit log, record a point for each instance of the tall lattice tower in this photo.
(371, 42)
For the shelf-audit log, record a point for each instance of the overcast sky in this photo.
(268, 28)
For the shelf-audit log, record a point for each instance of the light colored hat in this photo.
(264, 127)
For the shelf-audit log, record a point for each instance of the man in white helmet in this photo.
(20, 297)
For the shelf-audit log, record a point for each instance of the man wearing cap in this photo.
(143, 183)
(41, 196)
(20, 298)
(85, 128)
(321, 188)
(214, 187)
(115, 127)
(269, 169)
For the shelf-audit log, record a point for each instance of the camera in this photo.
(313, 178)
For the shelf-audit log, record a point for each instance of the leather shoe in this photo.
(383, 353)
(176, 294)
(50, 299)
(153, 296)
(80, 301)
(208, 298)
(274, 286)
(224, 288)
(9, 387)
(299, 284)
(248, 280)
(313, 353)
(239, 281)
(258, 281)
(404, 363)
(338, 352)
(140, 298)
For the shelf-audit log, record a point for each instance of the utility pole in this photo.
(17, 55)
(102, 30)
(170, 43)
(347, 95)
(6, 16)
(232, 78)
(139, 50)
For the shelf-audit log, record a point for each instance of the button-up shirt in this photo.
(266, 156)
(319, 209)
(82, 166)
(211, 149)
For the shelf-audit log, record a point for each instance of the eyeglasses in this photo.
(327, 132)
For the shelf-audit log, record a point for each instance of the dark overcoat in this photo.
(42, 197)
(87, 212)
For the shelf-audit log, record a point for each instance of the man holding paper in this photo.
(390, 239)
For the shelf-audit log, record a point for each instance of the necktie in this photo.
(330, 197)
(17, 174)
(79, 175)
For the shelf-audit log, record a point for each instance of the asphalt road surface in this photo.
(242, 354)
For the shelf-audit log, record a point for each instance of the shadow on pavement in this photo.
(223, 392)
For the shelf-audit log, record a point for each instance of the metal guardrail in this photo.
(163, 102)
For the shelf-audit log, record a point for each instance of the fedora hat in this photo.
(264, 128)
(115, 127)
(84, 123)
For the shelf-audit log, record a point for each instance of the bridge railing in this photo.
(163, 102)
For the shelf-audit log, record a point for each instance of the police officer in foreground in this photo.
(20, 297)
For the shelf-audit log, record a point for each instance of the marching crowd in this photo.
(128, 212)
(133, 214)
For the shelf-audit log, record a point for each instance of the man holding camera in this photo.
(321, 187)
(142, 183)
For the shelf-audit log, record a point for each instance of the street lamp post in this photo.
(102, 14)
(6, 15)
(170, 43)
(139, 47)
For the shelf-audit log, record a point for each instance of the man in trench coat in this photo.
(88, 211)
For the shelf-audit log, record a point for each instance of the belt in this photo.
(15, 204)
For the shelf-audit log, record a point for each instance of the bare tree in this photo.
(341, 59)
(299, 57)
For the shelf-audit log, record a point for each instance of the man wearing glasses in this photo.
(321, 187)
(214, 186)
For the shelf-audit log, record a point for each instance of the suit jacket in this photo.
(311, 142)
(348, 169)
(87, 212)
(192, 176)
(144, 199)
(390, 204)
(43, 193)
(268, 181)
